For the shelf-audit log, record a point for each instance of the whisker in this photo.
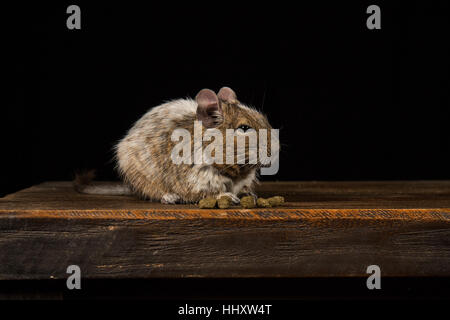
(264, 96)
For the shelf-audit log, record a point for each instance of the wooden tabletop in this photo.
(305, 196)
(325, 229)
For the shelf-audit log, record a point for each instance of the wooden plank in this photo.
(326, 229)
(308, 195)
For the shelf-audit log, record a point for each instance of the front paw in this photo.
(234, 198)
(170, 198)
(248, 193)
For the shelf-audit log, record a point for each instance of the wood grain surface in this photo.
(325, 229)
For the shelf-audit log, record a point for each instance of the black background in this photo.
(351, 103)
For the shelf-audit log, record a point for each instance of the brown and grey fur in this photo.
(143, 155)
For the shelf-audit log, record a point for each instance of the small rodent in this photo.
(144, 154)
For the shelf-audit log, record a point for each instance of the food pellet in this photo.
(207, 203)
(248, 202)
(276, 201)
(263, 203)
(224, 202)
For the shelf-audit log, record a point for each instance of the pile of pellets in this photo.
(247, 202)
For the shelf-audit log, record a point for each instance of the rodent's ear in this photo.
(209, 111)
(227, 94)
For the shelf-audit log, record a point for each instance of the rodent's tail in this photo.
(83, 183)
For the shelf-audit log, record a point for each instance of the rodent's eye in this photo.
(244, 127)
